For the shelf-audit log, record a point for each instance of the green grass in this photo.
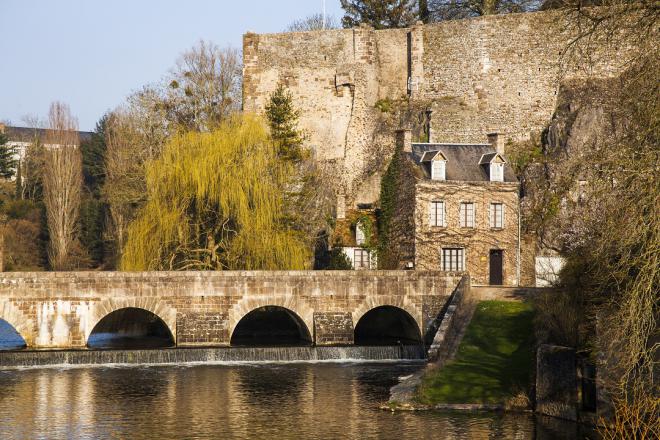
(494, 359)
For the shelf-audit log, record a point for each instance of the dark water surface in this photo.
(248, 401)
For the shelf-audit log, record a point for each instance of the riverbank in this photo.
(492, 369)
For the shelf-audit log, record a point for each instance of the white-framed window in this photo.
(496, 215)
(453, 259)
(437, 213)
(496, 172)
(361, 259)
(466, 215)
(438, 170)
(360, 236)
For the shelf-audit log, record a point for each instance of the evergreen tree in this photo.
(93, 208)
(380, 14)
(93, 157)
(307, 199)
(8, 160)
(283, 122)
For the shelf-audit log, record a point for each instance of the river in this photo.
(337, 400)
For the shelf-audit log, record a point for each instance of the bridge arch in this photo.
(387, 325)
(15, 317)
(100, 310)
(271, 326)
(298, 307)
(398, 301)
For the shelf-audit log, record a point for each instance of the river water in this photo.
(337, 400)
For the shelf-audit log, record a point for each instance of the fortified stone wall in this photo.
(494, 73)
(60, 309)
(336, 77)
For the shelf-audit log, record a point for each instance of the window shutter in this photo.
(444, 215)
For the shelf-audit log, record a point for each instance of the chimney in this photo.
(496, 141)
(404, 139)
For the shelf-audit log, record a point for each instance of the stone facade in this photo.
(477, 241)
(415, 240)
(60, 309)
(495, 73)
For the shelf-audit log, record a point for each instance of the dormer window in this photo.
(438, 169)
(494, 164)
(496, 172)
(437, 163)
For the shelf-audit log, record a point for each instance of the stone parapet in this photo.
(60, 309)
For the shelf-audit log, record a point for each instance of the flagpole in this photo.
(323, 14)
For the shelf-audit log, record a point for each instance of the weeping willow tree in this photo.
(214, 202)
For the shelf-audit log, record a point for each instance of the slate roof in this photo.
(462, 161)
(27, 134)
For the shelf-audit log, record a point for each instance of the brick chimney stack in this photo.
(404, 139)
(496, 141)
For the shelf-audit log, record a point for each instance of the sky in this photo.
(91, 54)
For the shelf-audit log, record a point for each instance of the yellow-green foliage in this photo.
(215, 202)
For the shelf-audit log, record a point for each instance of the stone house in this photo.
(457, 210)
(355, 234)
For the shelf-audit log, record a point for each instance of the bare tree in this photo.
(205, 86)
(439, 10)
(134, 134)
(62, 180)
(314, 22)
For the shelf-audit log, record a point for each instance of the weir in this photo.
(11, 359)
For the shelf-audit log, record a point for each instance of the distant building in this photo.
(22, 137)
(458, 210)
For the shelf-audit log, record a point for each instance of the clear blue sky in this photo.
(92, 53)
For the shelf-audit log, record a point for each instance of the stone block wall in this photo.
(335, 77)
(478, 241)
(333, 328)
(556, 382)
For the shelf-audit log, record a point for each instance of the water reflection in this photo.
(9, 337)
(311, 401)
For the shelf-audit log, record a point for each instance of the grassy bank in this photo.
(494, 360)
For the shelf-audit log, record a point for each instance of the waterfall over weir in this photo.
(12, 359)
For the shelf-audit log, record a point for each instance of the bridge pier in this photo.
(61, 309)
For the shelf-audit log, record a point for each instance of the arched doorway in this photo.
(387, 325)
(10, 339)
(130, 328)
(270, 326)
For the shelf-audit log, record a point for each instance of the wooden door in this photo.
(496, 272)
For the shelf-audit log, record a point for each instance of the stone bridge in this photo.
(62, 309)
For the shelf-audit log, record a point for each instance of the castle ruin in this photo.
(465, 78)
